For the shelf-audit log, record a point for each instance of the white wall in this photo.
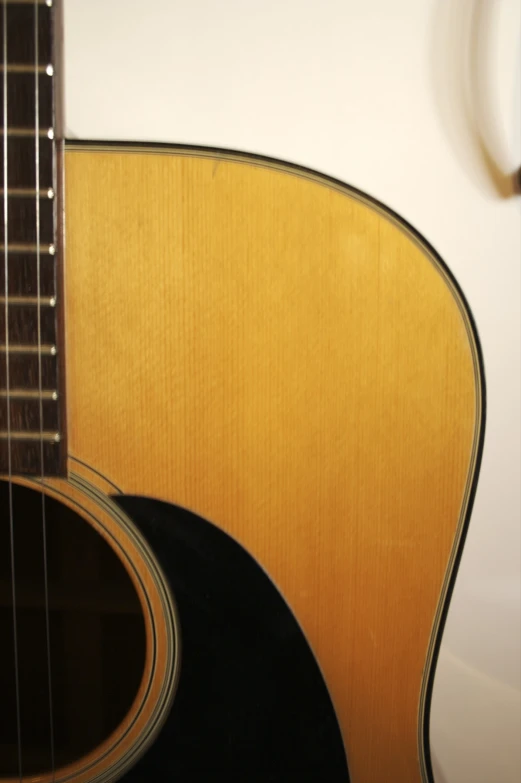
(416, 102)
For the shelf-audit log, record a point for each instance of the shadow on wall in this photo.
(462, 64)
(438, 774)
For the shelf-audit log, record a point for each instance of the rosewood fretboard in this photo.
(31, 385)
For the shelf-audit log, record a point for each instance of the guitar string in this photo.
(40, 383)
(8, 398)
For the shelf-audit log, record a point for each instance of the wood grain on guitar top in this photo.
(277, 354)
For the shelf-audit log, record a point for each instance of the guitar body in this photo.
(282, 357)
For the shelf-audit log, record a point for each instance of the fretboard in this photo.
(31, 349)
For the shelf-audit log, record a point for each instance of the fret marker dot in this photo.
(52, 250)
(48, 3)
(53, 350)
(55, 396)
(49, 70)
(52, 301)
(50, 193)
(50, 133)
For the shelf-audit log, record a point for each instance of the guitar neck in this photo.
(32, 413)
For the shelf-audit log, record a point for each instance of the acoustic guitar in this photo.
(241, 417)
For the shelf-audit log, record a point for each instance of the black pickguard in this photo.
(251, 703)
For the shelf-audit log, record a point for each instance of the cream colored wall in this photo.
(417, 103)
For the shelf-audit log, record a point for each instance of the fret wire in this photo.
(47, 301)
(29, 394)
(28, 193)
(27, 247)
(22, 68)
(22, 133)
(45, 350)
(53, 437)
(48, 3)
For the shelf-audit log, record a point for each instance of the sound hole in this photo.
(96, 635)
